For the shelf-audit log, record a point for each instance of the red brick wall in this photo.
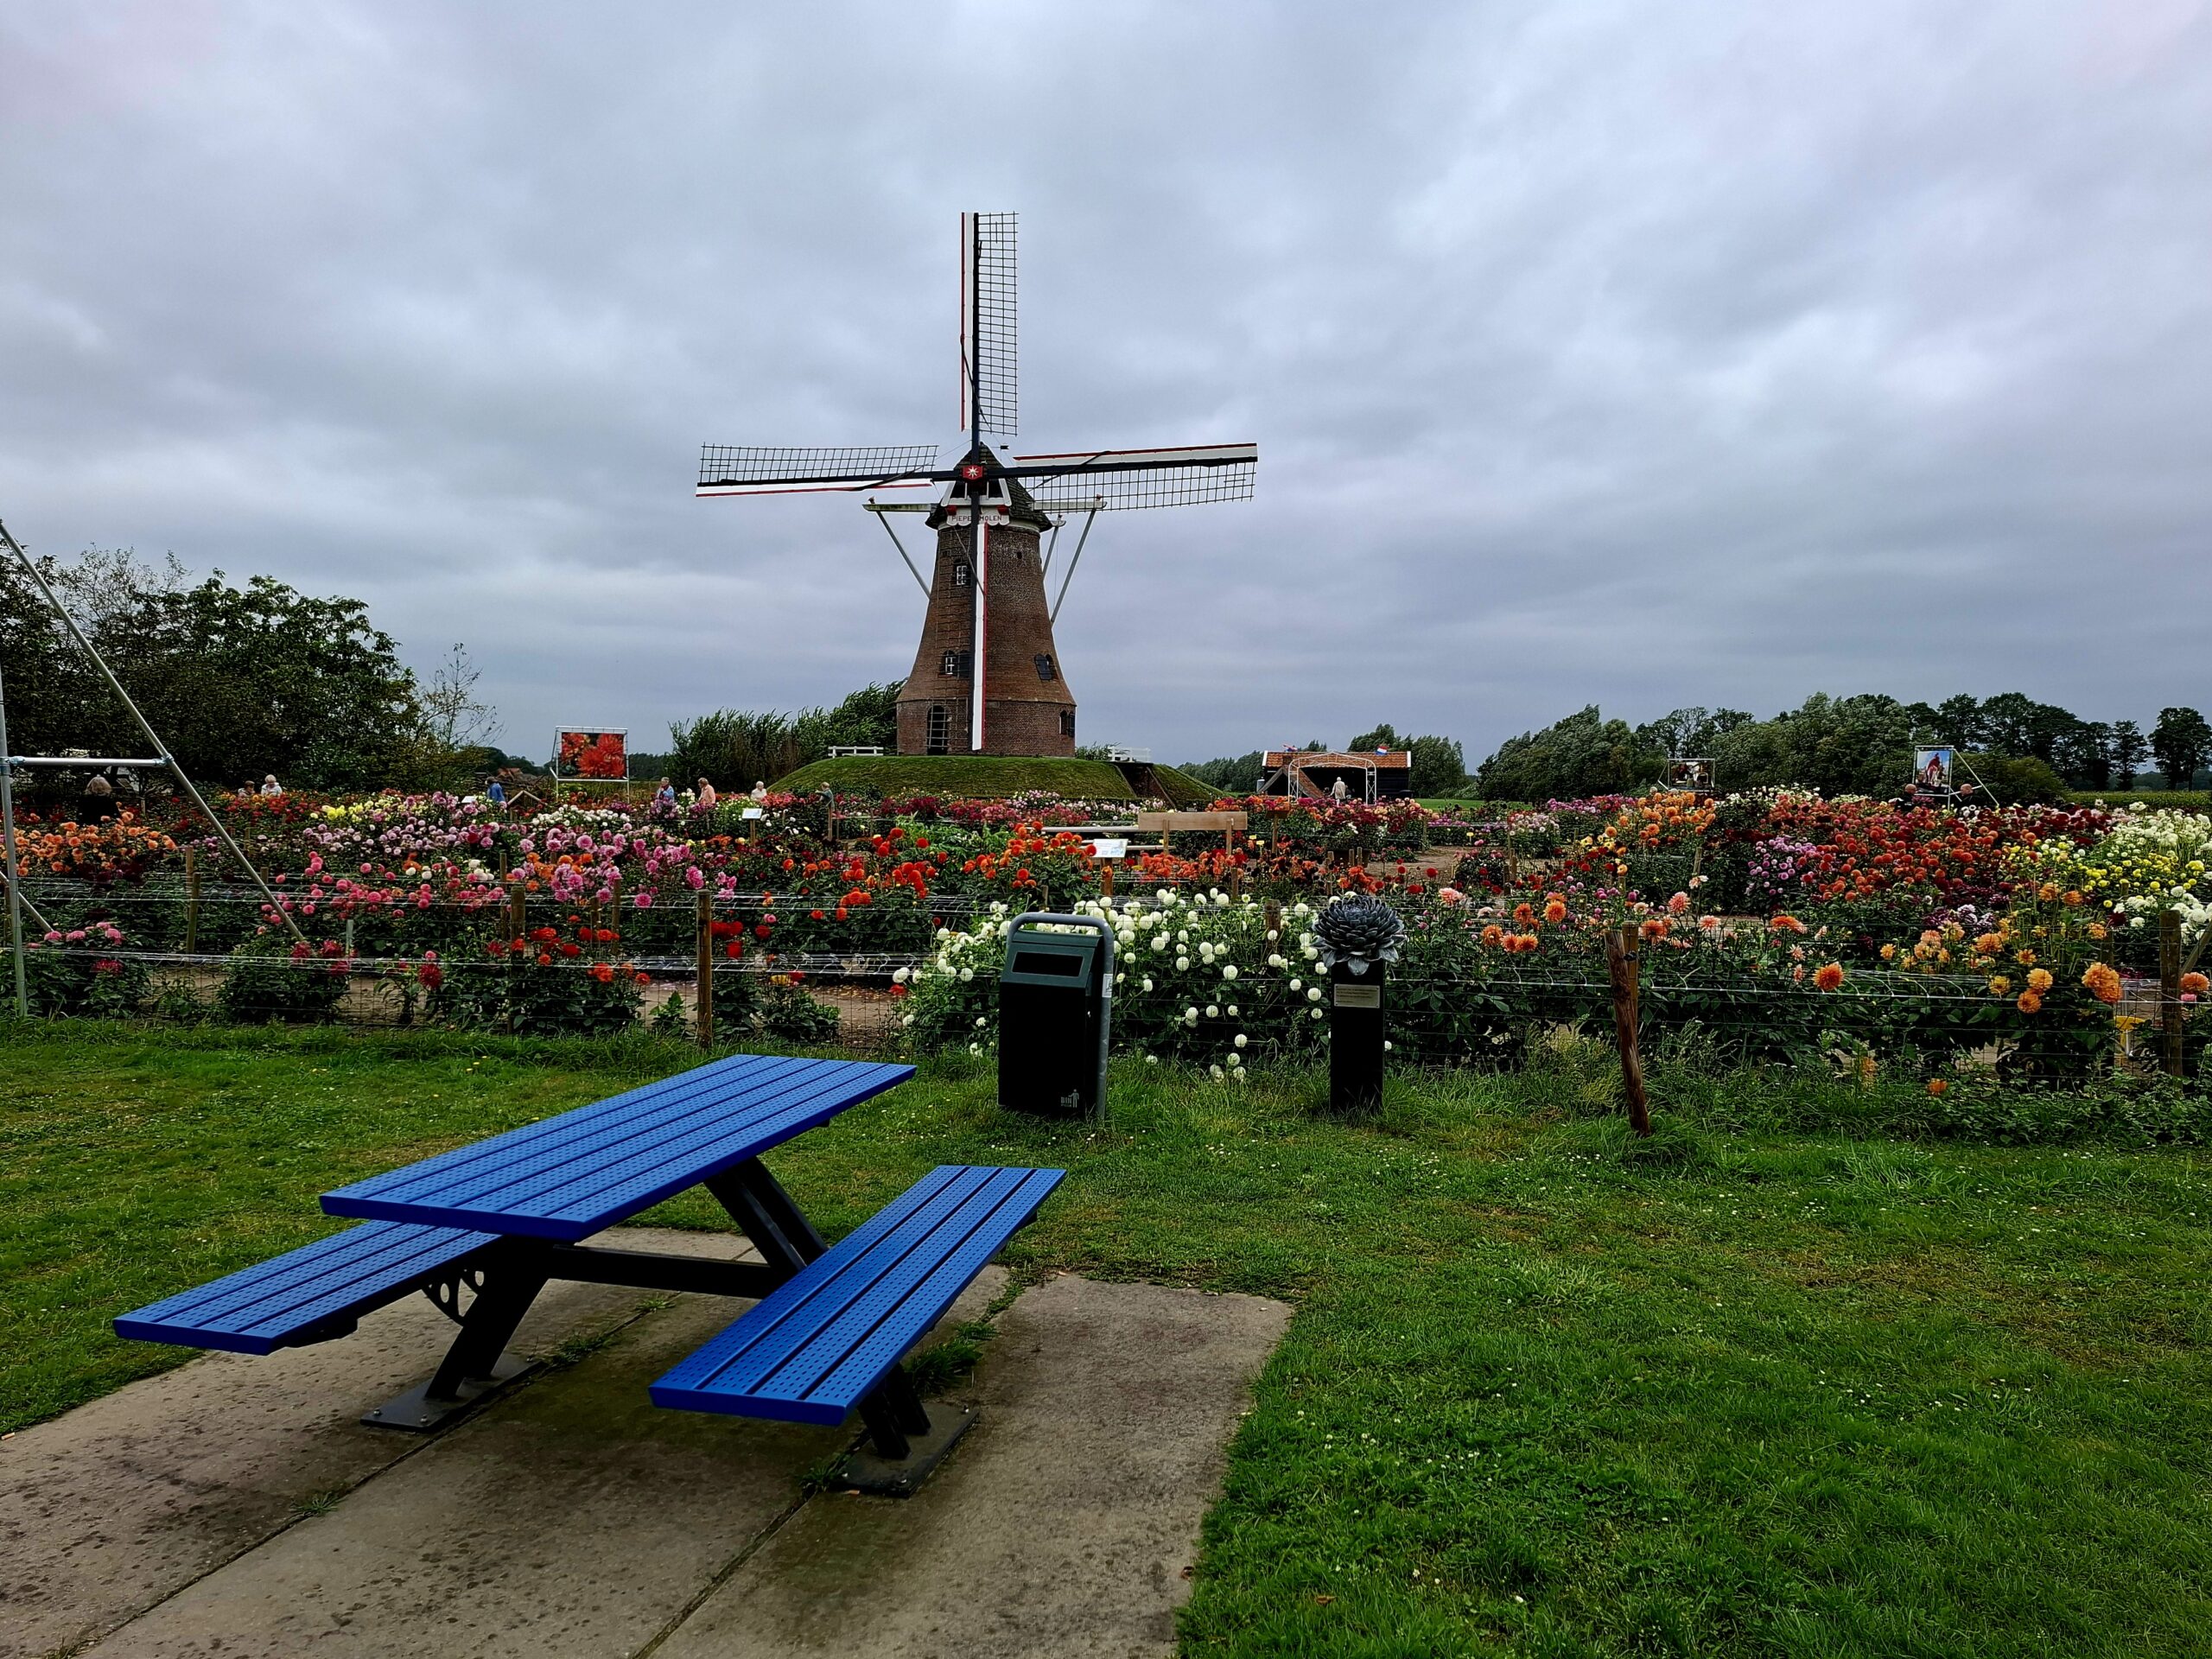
(1023, 714)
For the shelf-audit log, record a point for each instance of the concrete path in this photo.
(234, 1506)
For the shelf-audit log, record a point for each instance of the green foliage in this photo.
(240, 682)
(562, 997)
(2180, 742)
(2012, 780)
(1229, 775)
(272, 977)
(960, 776)
(1797, 1376)
(74, 986)
(787, 1011)
(736, 749)
(1583, 754)
(1438, 766)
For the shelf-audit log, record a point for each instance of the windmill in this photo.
(986, 678)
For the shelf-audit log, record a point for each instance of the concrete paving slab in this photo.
(571, 1517)
(1060, 1525)
(108, 1509)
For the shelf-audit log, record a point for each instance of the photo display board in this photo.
(594, 754)
(1932, 768)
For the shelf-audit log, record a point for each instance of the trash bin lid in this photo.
(1036, 957)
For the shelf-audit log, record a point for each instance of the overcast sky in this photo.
(1639, 355)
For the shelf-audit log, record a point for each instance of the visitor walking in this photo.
(1338, 791)
(496, 792)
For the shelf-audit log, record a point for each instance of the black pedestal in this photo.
(1356, 1027)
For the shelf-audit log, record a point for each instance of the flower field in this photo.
(1776, 925)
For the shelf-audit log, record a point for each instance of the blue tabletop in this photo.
(571, 1175)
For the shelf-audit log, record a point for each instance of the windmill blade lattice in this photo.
(988, 399)
(726, 469)
(1113, 481)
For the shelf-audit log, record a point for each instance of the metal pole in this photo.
(152, 737)
(1074, 559)
(14, 867)
(901, 546)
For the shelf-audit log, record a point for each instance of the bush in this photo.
(544, 985)
(786, 1011)
(274, 977)
(68, 976)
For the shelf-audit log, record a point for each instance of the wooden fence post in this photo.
(191, 901)
(518, 930)
(2169, 992)
(706, 983)
(1622, 950)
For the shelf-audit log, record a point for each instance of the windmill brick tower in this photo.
(1028, 709)
(987, 677)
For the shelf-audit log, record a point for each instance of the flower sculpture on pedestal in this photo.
(1356, 930)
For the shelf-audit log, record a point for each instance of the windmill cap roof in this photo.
(1026, 510)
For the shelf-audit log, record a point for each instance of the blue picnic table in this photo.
(482, 1228)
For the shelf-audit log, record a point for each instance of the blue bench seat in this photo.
(822, 1341)
(309, 1294)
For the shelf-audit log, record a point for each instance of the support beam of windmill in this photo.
(987, 678)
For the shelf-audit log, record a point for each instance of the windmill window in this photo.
(959, 573)
(1045, 670)
(1067, 722)
(940, 729)
(954, 664)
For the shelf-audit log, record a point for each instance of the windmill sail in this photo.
(987, 399)
(1111, 479)
(728, 470)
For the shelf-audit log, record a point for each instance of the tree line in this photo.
(736, 749)
(243, 682)
(2021, 749)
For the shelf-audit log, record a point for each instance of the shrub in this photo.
(274, 977)
(786, 1011)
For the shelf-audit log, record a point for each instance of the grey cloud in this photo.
(1718, 355)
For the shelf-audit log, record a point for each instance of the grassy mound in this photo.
(963, 775)
(1180, 789)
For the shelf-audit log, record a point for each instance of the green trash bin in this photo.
(1055, 1017)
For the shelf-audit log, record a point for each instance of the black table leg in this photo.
(477, 1363)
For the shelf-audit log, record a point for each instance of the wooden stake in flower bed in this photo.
(191, 902)
(1622, 948)
(2170, 994)
(706, 984)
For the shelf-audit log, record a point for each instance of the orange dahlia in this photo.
(2103, 982)
(1829, 976)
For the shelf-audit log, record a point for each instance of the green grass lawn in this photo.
(960, 775)
(1745, 1388)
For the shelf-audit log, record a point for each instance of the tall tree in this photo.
(2129, 752)
(2181, 739)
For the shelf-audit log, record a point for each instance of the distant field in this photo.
(2187, 800)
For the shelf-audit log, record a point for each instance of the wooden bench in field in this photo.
(502, 1217)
